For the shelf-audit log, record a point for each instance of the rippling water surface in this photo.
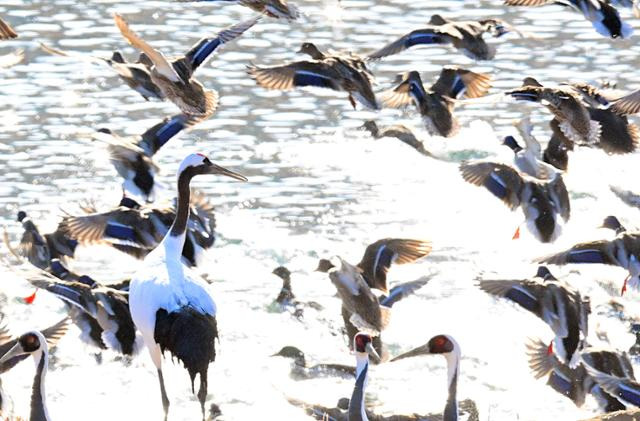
(318, 187)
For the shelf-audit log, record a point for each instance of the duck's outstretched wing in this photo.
(591, 252)
(157, 136)
(6, 31)
(402, 291)
(201, 51)
(379, 256)
(526, 293)
(455, 82)
(161, 64)
(298, 74)
(560, 197)
(629, 104)
(431, 35)
(399, 96)
(501, 180)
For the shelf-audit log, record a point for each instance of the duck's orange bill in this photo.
(30, 299)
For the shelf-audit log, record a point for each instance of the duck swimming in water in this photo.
(436, 104)
(556, 303)
(542, 201)
(466, 36)
(601, 13)
(344, 72)
(301, 371)
(175, 78)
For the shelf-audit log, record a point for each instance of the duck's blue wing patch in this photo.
(201, 51)
(496, 186)
(120, 231)
(559, 382)
(523, 297)
(417, 38)
(586, 256)
(309, 78)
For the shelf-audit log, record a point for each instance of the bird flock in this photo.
(167, 308)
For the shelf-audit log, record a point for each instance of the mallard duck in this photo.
(398, 131)
(627, 196)
(6, 31)
(175, 78)
(541, 200)
(301, 371)
(133, 156)
(436, 104)
(135, 75)
(623, 251)
(279, 9)
(337, 71)
(567, 107)
(556, 303)
(601, 13)
(137, 230)
(527, 158)
(465, 36)
(106, 306)
(39, 249)
(613, 373)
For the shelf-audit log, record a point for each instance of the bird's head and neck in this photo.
(191, 166)
(312, 50)
(324, 265)
(35, 344)
(512, 143)
(371, 127)
(363, 348)
(446, 346)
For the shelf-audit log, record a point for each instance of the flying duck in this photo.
(6, 31)
(446, 346)
(175, 78)
(300, 370)
(567, 107)
(601, 13)
(337, 71)
(575, 383)
(135, 75)
(89, 305)
(11, 59)
(541, 200)
(170, 305)
(556, 303)
(466, 36)
(613, 373)
(436, 104)
(398, 131)
(40, 249)
(623, 251)
(279, 9)
(133, 157)
(557, 150)
(527, 159)
(136, 230)
(627, 196)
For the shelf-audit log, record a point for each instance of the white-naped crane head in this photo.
(28, 343)
(197, 164)
(363, 346)
(439, 344)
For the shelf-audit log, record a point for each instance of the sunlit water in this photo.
(318, 187)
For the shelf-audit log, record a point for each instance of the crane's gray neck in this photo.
(38, 404)
(453, 372)
(357, 410)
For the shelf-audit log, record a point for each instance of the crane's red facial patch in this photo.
(440, 344)
(361, 342)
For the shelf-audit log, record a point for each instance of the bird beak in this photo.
(217, 169)
(372, 352)
(421, 350)
(16, 351)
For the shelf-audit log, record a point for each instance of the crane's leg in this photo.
(202, 394)
(163, 391)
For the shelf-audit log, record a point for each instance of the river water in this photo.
(318, 186)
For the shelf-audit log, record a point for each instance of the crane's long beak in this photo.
(421, 350)
(372, 352)
(217, 169)
(16, 351)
